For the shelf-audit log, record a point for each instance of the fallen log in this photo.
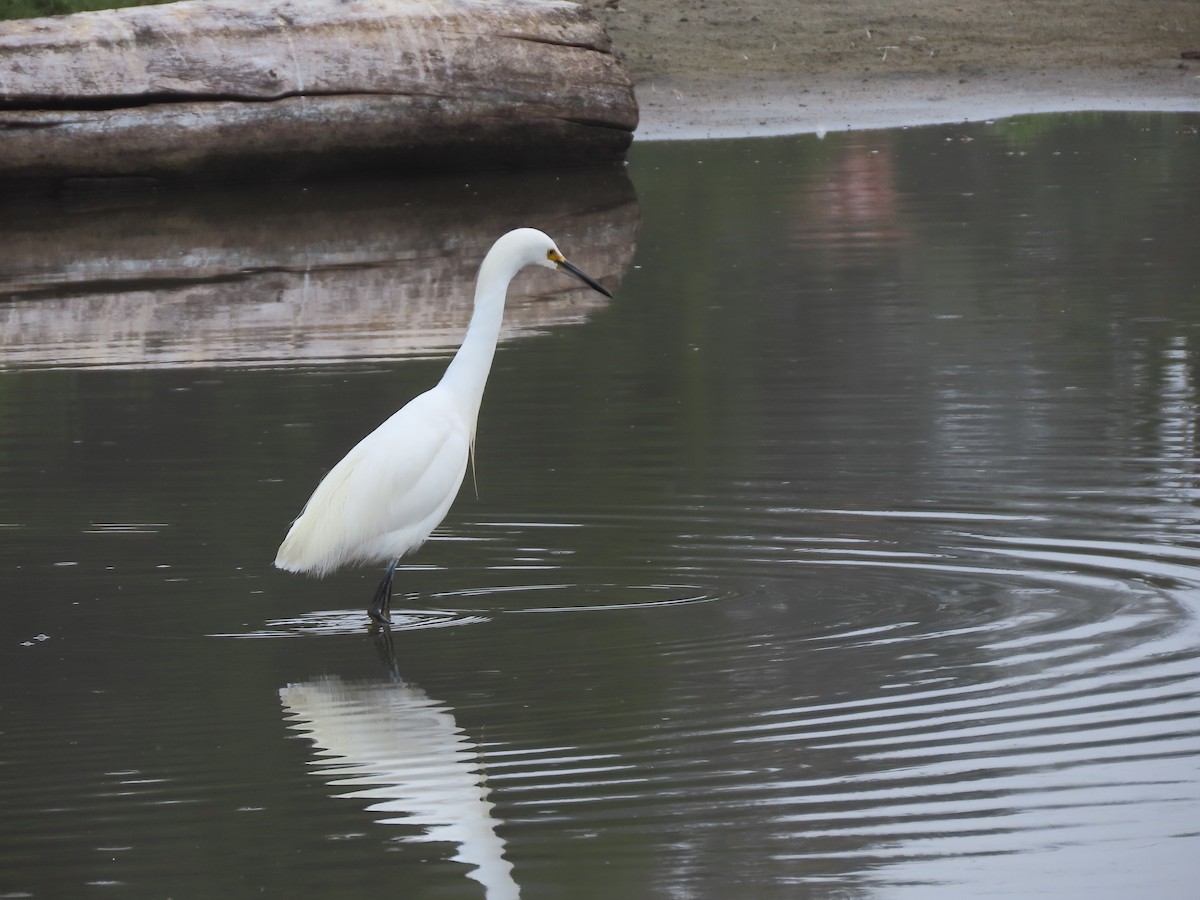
(228, 89)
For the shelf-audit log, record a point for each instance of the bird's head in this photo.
(536, 248)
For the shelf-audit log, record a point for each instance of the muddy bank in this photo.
(727, 67)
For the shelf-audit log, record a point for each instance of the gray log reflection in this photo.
(292, 274)
(391, 746)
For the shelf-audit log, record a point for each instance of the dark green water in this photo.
(850, 551)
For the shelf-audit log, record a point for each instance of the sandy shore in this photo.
(723, 68)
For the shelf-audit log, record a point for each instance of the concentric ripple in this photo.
(935, 696)
(886, 696)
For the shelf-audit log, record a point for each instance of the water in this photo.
(850, 551)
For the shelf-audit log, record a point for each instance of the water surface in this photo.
(851, 550)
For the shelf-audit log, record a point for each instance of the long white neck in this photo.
(467, 373)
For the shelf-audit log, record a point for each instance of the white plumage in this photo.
(380, 503)
(392, 489)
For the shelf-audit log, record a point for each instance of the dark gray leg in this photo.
(381, 604)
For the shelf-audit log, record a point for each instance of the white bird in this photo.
(396, 485)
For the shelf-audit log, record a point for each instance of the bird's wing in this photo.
(387, 494)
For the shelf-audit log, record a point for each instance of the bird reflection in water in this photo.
(390, 745)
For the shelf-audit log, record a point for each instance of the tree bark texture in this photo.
(230, 89)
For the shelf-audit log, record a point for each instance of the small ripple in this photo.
(928, 515)
(355, 621)
(496, 600)
(125, 527)
(608, 597)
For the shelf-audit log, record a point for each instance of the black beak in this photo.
(585, 278)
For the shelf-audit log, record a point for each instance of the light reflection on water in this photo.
(850, 551)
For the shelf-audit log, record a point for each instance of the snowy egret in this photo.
(393, 488)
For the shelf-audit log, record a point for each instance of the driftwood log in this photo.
(231, 89)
